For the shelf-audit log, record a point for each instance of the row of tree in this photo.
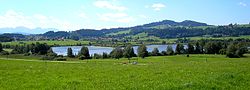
(232, 51)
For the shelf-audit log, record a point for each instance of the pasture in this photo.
(158, 73)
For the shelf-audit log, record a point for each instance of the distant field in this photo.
(198, 72)
(66, 42)
(198, 38)
(141, 36)
(121, 32)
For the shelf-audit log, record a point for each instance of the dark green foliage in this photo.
(60, 59)
(213, 47)
(190, 49)
(142, 51)
(84, 53)
(170, 50)
(163, 53)
(97, 56)
(40, 49)
(70, 53)
(5, 38)
(45, 57)
(163, 42)
(198, 48)
(27, 54)
(231, 51)
(26, 49)
(155, 52)
(129, 52)
(4, 53)
(223, 51)
(105, 55)
(117, 53)
(51, 53)
(18, 49)
(236, 50)
(1, 47)
(179, 49)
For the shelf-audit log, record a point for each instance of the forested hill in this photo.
(122, 32)
(162, 29)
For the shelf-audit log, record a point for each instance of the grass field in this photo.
(61, 43)
(197, 72)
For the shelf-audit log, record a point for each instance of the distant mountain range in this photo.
(166, 23)
(186, 23)
(26, 31)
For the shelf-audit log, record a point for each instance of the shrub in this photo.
(26, 54)
(4, 53)
(47, 58)
(163, 53)
(223, 51)
(60, 59)
(97, 56)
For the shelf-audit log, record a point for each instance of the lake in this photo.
(99, 50)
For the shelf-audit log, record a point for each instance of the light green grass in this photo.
(121, 32)
(62, 43)
(198, 72)
(8, 50)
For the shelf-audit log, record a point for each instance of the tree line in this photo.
(234, 49)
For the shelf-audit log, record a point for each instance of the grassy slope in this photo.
(121, 32)
(172, 72)
(66, 42)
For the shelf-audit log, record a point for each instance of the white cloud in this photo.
(109, 5)
(242, 4)
(158, 6)
(116, 17)
(14, 19)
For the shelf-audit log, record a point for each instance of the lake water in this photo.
(100, 50)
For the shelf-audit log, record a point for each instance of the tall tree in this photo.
(142, 51)
(213, 47)
(104, 55)
(117, 53)
(84, 53)
(128, 52)
(170, 50)
(1, 47)
(50, 52)
(179, 49)
(190, 48)
(70, 53)
(198, 48)
(231, 51)
(155, 52)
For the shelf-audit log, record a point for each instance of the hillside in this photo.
(163, 29)
(122, 32)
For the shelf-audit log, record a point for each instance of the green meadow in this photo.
(51, 42)
(198, 72)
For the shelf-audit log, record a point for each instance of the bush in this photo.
(60, 59)
(4, 53)
(163, 53)
(97, 56)
(47, 58)
(82, 57)
(27, 54)
(223, 51)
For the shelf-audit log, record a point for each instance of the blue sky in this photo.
(98, 14)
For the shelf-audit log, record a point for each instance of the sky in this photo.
(71, 15)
